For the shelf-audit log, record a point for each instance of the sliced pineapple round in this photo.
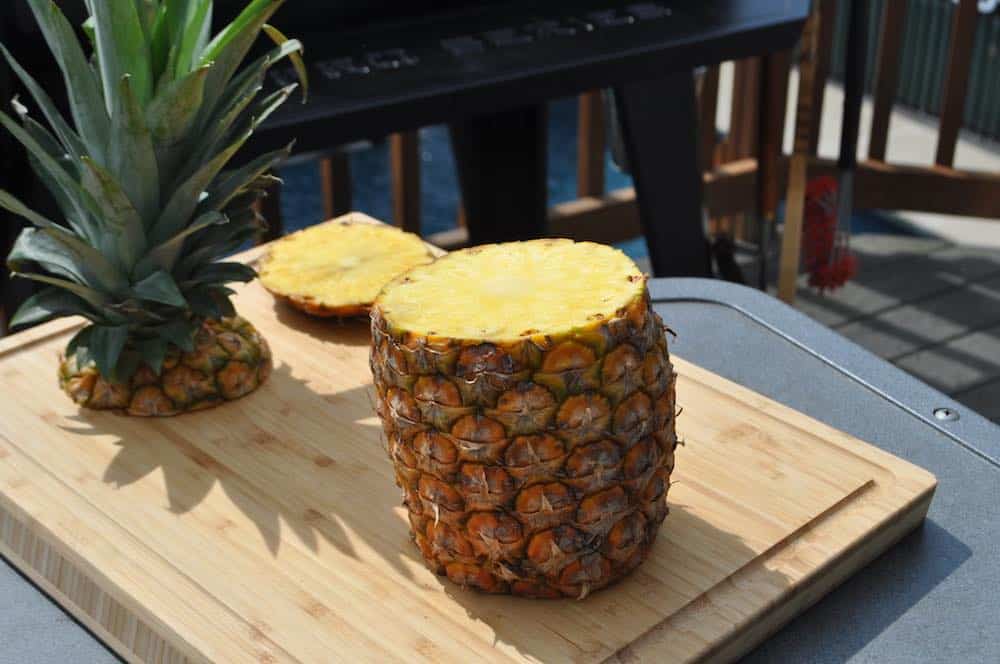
(337, 268)
(503, 292)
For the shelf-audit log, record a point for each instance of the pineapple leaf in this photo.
(79, 340)
(153, 352)
(118, 214)
(160, 287)
(222, 273)
(229, 48)
(175, 16)
(49, 167)
(179, 332)
(219, 241)
(279, 38)
(165, 255)
(263, 110)
(187, 196)
(105, 345)
(249, 22)
(206, 34)
(159, 41)
(133, 156)
(94, 298)
(211, 302)
(222, 301)
(172, 114)
(86, 100)
(89, 28)
(128, 364)
(69, 206)
(50, 303)
(122, 49)
(184, 50)
(12, 204)
(241, 91)
(222, 193)
(147, 11)
(219, 128)
(69, 139)
(66, 255)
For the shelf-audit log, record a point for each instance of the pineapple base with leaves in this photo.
(147, 211)
(227, 359)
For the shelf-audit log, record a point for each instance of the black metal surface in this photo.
(489, 57)
(502, 166)
(931, 598)
(658, 118)
(854, 84)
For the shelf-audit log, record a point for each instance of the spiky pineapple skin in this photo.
(230, 359)
(538, 468)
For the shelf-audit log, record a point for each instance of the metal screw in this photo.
(946, 414)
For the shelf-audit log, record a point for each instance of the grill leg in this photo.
(502, 171)
(660, 128)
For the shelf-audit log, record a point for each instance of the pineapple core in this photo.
(504, 292)
(341, 263)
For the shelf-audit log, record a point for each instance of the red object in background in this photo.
(830, 263)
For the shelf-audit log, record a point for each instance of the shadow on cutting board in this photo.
(346, 332)
(285, 469)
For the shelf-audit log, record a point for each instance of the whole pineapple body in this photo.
(148, 209)
(528, 401)
(228, 359)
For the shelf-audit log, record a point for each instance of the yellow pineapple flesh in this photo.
(337, 268)
(527, 398)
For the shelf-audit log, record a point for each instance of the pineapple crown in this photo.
(158, 110)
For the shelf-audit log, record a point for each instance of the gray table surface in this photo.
(934, 597)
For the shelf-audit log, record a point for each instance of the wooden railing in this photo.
(746, 172)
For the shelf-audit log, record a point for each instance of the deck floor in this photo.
(928, 306)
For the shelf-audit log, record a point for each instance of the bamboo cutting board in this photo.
(270, 530)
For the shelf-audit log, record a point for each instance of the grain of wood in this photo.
(270, 530)
(886, 75)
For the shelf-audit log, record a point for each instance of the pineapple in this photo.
(337, 268)
(158, 110)
(527, 397)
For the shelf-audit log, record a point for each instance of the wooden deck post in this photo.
(405, 157)
(773, 97)
(886, 75)
(335, 182)
(590, 142)
(806, 127)
(963, 29)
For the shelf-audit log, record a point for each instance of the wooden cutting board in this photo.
(270, 530)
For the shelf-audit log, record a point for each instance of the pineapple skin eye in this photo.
(527, 399)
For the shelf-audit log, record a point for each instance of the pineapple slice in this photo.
(337, 268)
(527, 398)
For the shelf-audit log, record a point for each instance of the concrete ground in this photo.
(930, 305)
(927, 305)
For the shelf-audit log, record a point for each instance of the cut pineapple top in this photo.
(504, 292)
(340, 265)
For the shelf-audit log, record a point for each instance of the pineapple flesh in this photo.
(527, 398)
(147, 207)
(337, 268)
